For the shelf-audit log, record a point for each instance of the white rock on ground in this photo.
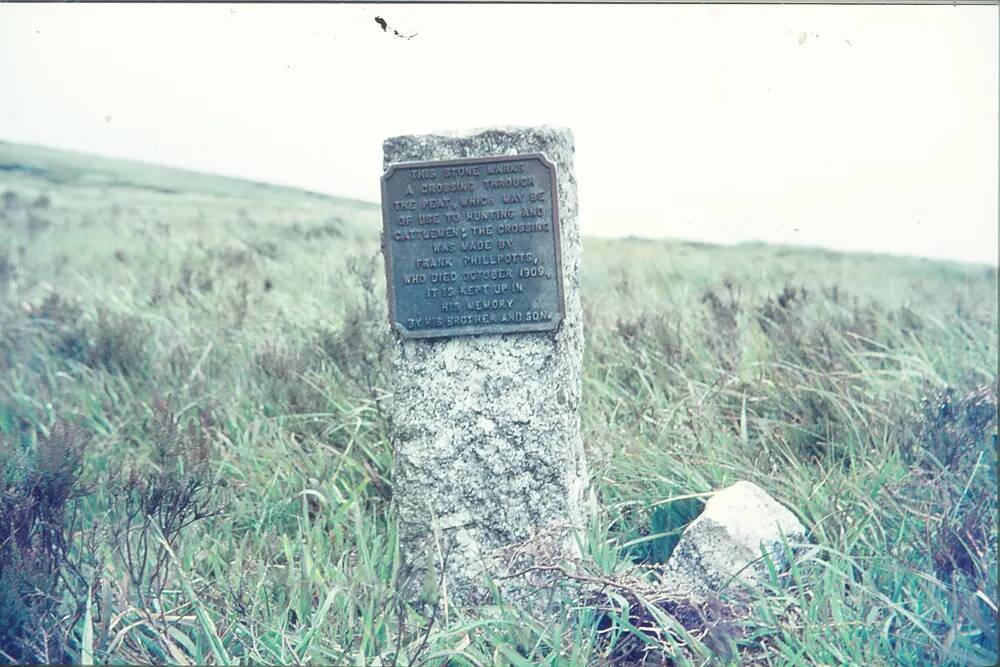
(722, 547)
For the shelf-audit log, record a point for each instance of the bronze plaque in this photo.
(472, 246)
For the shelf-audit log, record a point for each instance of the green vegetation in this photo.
(196, 467)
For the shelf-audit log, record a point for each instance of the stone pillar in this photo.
(486, 428)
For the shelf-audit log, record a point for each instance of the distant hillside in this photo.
(60, 168)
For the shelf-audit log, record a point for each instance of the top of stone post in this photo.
(504, 140)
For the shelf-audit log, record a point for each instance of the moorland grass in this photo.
(197, 470)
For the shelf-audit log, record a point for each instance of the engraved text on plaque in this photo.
(472, 246)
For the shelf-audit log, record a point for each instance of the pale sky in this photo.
(847, 127)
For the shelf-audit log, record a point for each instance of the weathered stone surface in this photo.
(726, 540)
(486, 429)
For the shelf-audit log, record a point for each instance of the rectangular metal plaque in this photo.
(472, 246)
